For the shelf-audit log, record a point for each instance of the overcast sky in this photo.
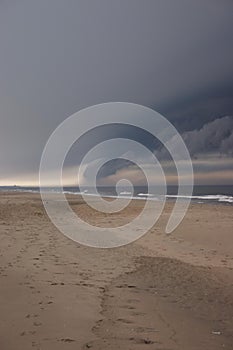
(58, 57)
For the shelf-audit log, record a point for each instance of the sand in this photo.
(160, 292)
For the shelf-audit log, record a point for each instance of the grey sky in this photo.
(60, 56)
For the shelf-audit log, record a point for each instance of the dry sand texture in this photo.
(161, 292)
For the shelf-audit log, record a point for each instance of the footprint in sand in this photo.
(124, 320)
(67, 340)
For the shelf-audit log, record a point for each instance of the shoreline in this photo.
(169, 199)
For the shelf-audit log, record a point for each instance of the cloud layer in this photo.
(213, 137)
(58, 57)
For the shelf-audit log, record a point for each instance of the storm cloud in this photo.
(58, 57)
(213, 137)
(210, 147)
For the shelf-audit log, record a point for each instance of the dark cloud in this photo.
(213, 137)
(58, 57)
(212, 145)
(195, 111)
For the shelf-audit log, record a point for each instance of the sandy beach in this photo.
(163, 292)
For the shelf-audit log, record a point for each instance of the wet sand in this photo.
(160, 292)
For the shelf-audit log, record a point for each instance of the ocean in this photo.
(201, 194)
